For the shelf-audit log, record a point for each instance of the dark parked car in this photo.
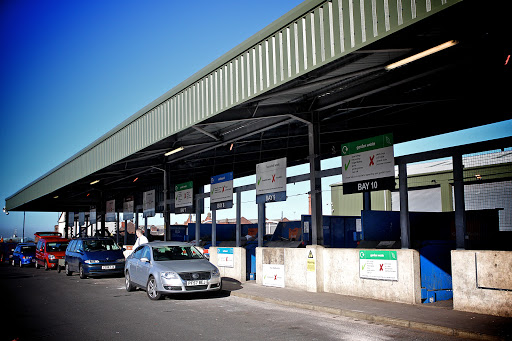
(24, 254)
(94, 256)
(6, 250)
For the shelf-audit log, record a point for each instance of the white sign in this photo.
(221, 188)
(148, 203)
(225, 257)
(128, 205)
(368, 165)
(93, 216)
(273, 275)
(111, 211)
(184, 195)
(271, 181)
(378, 264)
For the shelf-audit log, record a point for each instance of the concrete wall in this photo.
(337, 271)
(482, 282)
(341, 276)
(294, 261)
(238, 272)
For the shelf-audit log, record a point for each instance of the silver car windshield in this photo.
(165, 253)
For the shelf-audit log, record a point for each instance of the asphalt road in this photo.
(47, 305)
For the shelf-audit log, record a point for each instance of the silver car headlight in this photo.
(120, 260)
(215, 273)
(91, 261)
(169, 275)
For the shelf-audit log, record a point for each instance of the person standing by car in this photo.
(141, 239)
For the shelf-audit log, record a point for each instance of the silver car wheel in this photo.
(151, 289)
(127, 282)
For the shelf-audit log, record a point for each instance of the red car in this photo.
(49, 250)
(38, 235)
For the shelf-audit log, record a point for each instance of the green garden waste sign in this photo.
(368, 165)
(378, 264)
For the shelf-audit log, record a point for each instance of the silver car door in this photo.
(133, 266)
(145, 267)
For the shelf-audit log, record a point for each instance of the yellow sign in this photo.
(311, 265)
(311, 262)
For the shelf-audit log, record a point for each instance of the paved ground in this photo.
(46, 305)
(439, 318)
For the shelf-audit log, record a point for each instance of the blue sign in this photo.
(225, 250)
(225, 257)
(271, 197)
(221, 191)
(222, 178)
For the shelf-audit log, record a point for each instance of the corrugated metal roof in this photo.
(306, 38)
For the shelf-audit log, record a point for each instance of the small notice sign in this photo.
(378, 264)
(311, 263)
(273, 275)
(225, 257)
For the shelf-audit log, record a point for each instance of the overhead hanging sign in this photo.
(271, 181)
(81, 218)
(148, 203)
(368, 165)
(184, 198)
(71, 219)
(378, 264)
(128, 206)
(111, 211)
(221, 191)
(92, 215)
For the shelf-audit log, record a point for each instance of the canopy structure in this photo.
(325, 63)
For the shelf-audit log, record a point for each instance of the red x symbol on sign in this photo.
(371, 160)
(381, 269)
(274, 178)
(275, 277)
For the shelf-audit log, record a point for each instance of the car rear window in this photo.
(100, 245)
(28, 249)
(56, 246)
(165, 253)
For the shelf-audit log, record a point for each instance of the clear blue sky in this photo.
(70, 71)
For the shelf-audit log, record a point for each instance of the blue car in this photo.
(24, 254)
(93, 256)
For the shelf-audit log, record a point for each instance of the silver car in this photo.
(164, 268)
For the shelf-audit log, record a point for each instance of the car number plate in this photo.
(192, 283)
(108, 267)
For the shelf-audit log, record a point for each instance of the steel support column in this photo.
(198, 221)
(137, 220)
(315, 181)
(102, 230)
(166, 210)
(405, 227)
(214, 227)
(367, 201)
(460, 206)
(238, 218)
(147, 232)
(66, 235)
(261, 223)
(125, 232)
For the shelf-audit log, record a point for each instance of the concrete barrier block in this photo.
(481, 280)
